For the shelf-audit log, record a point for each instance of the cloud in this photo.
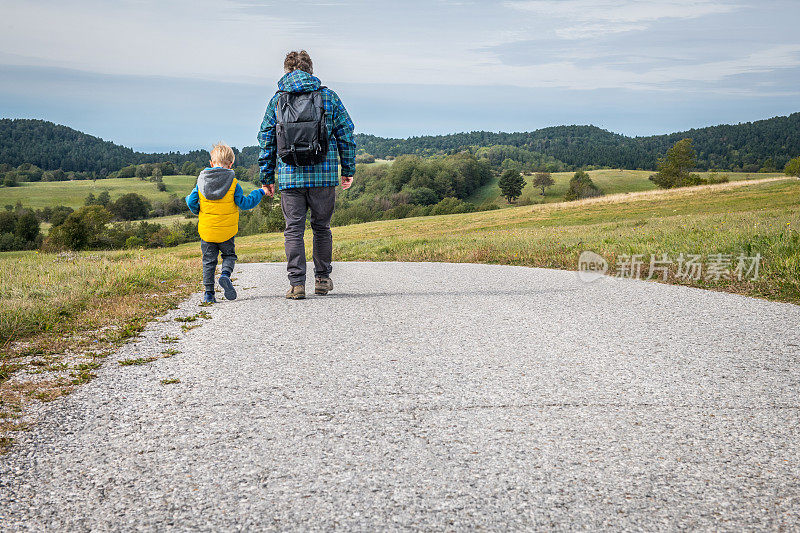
(534, 43)
(594, 18)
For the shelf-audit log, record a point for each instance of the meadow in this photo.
(45, 292)
(610, 181)
(73, 193)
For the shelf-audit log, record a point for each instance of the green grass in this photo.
(755, 217)
(137, 361)
(609, 181)
(73, 193)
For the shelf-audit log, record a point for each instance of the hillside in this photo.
(748, 146)
(610, 181)
(745, 146)
(52, 146)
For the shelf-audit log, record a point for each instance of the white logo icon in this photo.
(591, 266)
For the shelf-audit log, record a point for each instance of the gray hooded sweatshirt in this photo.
(214, 183)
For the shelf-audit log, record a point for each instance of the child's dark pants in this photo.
(210, 252)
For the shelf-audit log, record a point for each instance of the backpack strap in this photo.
(294, 156)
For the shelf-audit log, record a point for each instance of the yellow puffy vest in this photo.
(219, 219)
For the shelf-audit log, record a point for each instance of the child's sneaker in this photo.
(227, 285)
(209, 298)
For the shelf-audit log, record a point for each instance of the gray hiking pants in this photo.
(210, 252)
(295, 203)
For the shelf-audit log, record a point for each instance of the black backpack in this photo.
(300, 128)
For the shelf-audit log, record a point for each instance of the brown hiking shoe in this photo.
(323, 286)
(296, 292)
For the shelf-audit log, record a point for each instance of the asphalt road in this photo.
(433, 397)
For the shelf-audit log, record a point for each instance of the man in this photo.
(307, 171)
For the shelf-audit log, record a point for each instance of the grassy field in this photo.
(733, 217)
(73, 193)
(609, 181)
(738, 217)
(85, 303)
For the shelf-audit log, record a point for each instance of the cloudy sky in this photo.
(181, 74)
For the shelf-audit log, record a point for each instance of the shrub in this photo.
(133, 242)
(130, 206)
(581, 186)
(792, 168)
(104, 199)
(422, 196)
(674, 169)
(83, 229)
(168, 168)
(127, 172)
(60, 214)
(452, 205)
(268, 218)
(19, 230)
(8, 222)
(27, 227)
(159, 238)
(399, 211)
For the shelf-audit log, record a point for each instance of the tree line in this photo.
(765, 145)
(52, 146)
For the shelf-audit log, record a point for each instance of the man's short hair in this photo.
(298, 61)
(222, 153)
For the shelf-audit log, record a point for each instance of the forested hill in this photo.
(752, 144)
(51, 146)
(748, 146)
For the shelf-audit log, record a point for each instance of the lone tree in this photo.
(27, 227)
(674, 169)
(793, 168)
(131, 206)
(543, 180)
(511, 184)
(156, 175)
(104, 199)
(581, 186)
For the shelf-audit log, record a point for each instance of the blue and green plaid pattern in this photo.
(342, 146)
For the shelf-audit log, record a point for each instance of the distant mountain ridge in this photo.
(52, 146)
(748, 146)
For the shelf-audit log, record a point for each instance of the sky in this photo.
(161, 75)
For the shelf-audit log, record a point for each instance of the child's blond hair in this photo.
(222, 153)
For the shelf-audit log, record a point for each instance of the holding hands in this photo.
(269, 190)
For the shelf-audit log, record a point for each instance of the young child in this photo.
(217, 198)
